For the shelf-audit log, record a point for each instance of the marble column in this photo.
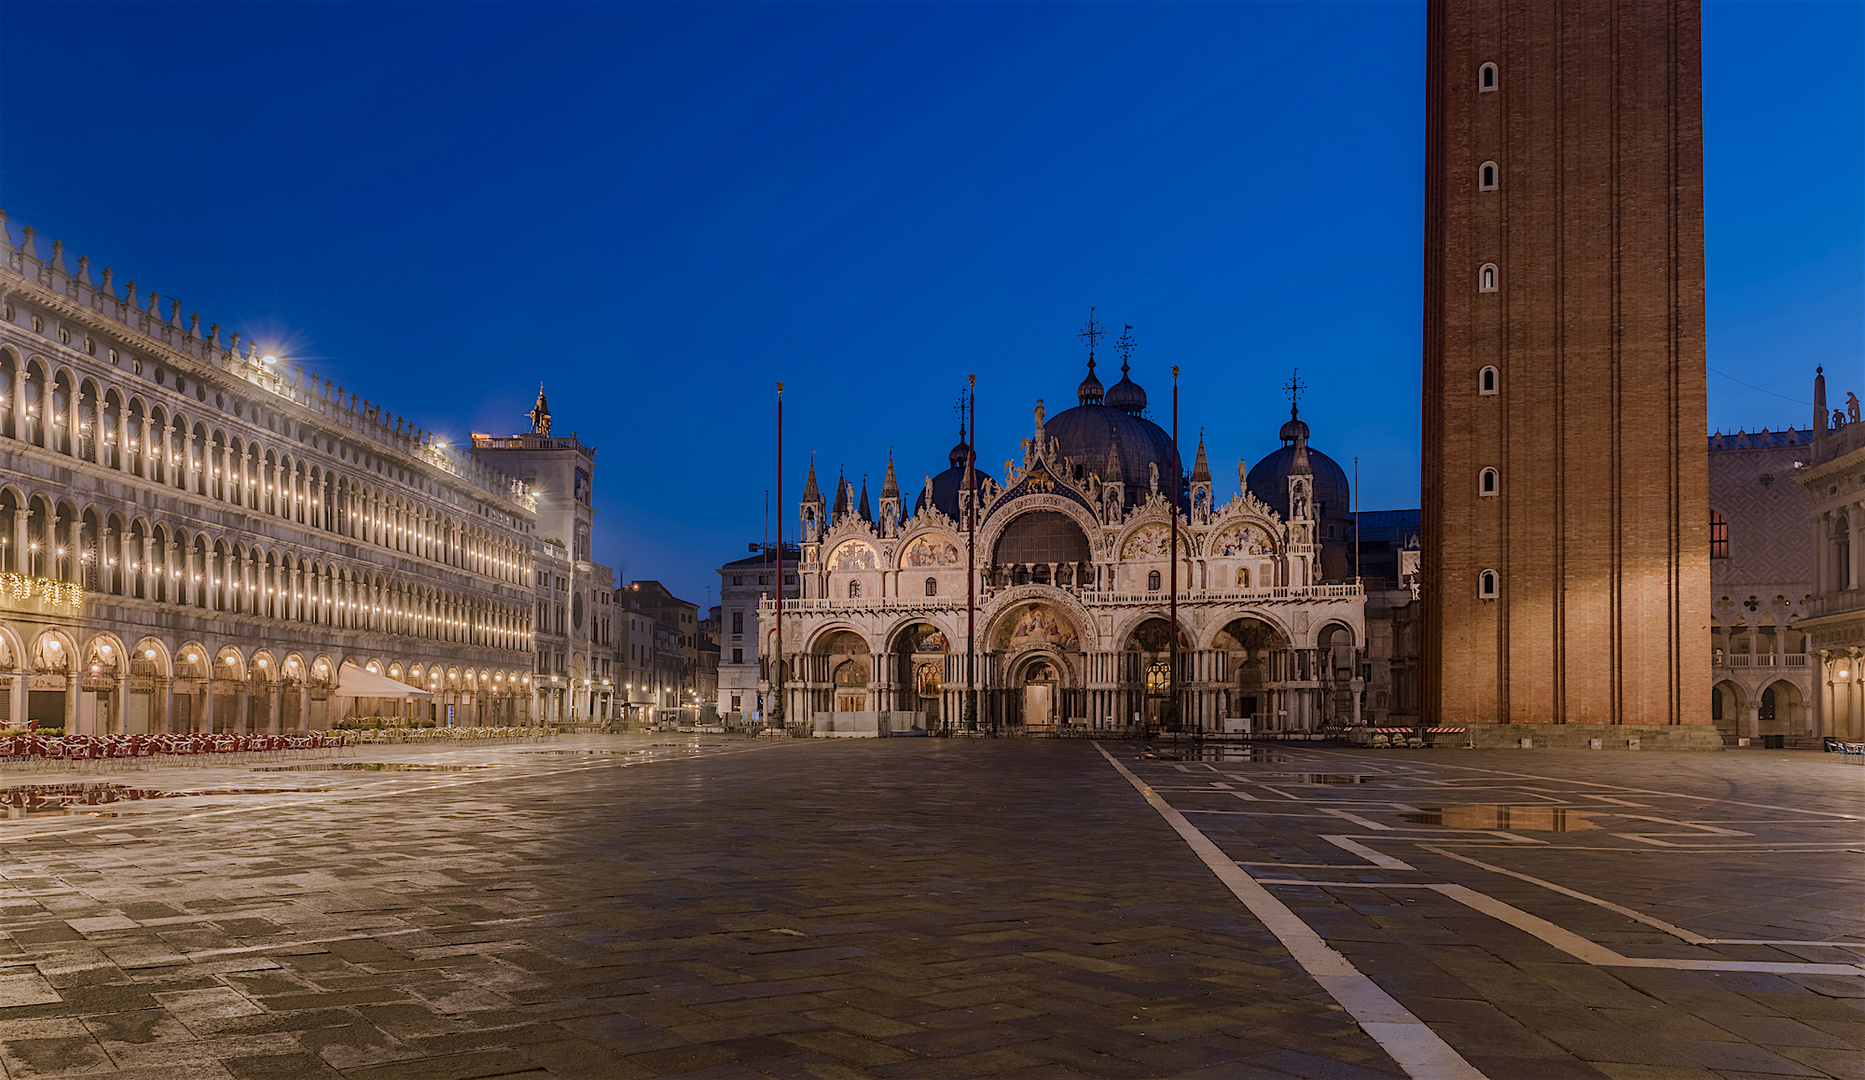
(22, 541)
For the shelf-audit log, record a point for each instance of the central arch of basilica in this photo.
(1073, 574)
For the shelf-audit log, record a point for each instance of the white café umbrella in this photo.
(355, 681)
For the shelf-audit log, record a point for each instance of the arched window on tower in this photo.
(932, 586)
(1486, 382)
(1487, 485)
(1719, 536)
(1486, 176)
(854, 590)
(1486, 278)
(1486, 78)
(1152, 581)
(1486, 585)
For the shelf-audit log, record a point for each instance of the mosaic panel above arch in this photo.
(1151, 542)
(1034, 625)
(852, 555)
(1241, 540)
(930, 551)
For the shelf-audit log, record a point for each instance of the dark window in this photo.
(738, 622)
(738, 656)
(1719, 536)
(1152, 581)
(932, 586)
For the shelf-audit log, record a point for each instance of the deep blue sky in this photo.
(661, 210)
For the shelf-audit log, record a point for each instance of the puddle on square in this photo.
(1324, 778)
(63, 800)
(371, 766)
(1218, 753)
(1501, 817)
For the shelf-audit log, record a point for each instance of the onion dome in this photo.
(1296, 430)
(1090, 391)
(956, 459)
(1126, 395)
(1268, 479)
(948, 484)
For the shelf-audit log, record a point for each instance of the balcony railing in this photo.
(1090, 596)
(1761, 660)
(1839, 603)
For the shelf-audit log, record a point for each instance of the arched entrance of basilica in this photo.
(919, 654)
(1035, 651)
(1257, 656)
(1039, 686)
(1146, 672)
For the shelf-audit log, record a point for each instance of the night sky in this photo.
(660, 211)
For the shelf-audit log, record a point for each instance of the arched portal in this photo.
(1258, 659)
(1782, 711)
(1146, 672)
(840, 666)
(1041, 546)
(918, 657)
(1726, 706)
(1039, 683)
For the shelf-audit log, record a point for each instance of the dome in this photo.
(1091, 433)
(1269, 478)
(1089, 392)
(947, 485)
(1126, 395)
(1296, 428)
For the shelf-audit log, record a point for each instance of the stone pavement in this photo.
(636, 906)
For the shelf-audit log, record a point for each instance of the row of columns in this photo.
(80, 719)
(1840, 703)
(223, 582)
(166, 456)
(1834, 568)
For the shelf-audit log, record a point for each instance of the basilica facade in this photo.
(1061, 575)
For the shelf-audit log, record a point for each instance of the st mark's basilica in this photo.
(1073, 593)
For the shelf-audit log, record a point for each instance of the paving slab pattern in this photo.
(639, 906)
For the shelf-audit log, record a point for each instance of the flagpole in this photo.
(777, 674)
(971, 557)
(1175, 719)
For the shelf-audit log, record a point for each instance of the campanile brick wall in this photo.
(1598, 531)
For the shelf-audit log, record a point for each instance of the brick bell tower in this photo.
(1565, 483)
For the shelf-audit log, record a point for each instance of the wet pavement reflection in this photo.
(59, 800)
(371, 766)
(1498, 816)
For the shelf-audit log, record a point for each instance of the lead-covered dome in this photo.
(947, 485)
(1099, 434)
(1269, 478)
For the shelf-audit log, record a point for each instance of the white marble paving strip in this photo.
(1638, 916)
(1413, 1045)
(1377, 858)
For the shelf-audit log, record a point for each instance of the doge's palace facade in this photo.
(192, 538)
